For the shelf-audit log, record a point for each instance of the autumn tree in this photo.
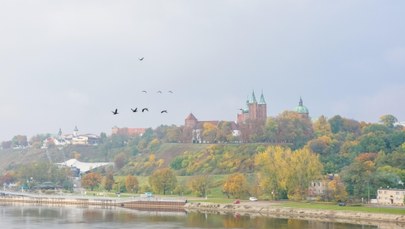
(235, 185)
(131, 184)
(336, 190)
(108, 181)
(290, 127)
(163, 180)
(273, 167)
(200, 184)
(304, 167)
(91, 180)
(209, 132)
(322, 127)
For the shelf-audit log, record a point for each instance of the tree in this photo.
(20, 141)
(388, 120)
(91, 180)
(358, 176)
(304, 167)
(273, 167)
(120, 160)
(200, 184)
(108, 181)
(235, 185)
(209, 132)
(131, 184)
(322, 127)
(292, 128)
(163, 180)
(336, 190)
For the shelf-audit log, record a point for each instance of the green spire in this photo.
(253, 98)
(262, 101)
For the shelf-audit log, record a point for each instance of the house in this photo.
(75, 138)
(390, 196)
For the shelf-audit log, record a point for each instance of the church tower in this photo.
(302, 110)
(254, 111)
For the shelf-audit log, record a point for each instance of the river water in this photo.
(63, 217)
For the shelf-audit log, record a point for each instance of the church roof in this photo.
(191, 117)
(301, 109)
(253, 98)
(262, 101)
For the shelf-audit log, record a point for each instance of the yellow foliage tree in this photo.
(273, 172)
(337, 190)
(235, 185)
(304, 167)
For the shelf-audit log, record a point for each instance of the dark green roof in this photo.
(301, 109)
(253, 98)
(262, 101)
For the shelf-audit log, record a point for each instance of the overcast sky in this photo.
(70, 63)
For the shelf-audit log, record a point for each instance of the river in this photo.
(72, 217)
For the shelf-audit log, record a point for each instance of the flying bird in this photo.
(141, 59)
(163, 111)
(159, 92)
(145, 109)
(115, 112)
(170, 92)
(144, 91)
(134, 110)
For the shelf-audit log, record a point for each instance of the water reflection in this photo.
(24, 216)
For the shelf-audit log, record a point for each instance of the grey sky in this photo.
(67, 63)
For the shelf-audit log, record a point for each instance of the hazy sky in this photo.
(69, 63)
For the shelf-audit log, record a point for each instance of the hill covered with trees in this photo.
(276, 160)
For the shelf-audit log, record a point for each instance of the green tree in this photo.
(163, 180)
(388, 120)
(358, 176)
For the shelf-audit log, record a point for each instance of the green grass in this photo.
(334, 206)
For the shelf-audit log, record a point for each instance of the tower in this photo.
(254, 111)
(75, 132)
(301, 109)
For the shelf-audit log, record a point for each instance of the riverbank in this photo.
(253, 209)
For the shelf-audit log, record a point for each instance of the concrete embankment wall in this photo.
(58, 200)
(153, 204)
(378, 219)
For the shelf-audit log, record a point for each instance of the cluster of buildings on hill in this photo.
(255, 111)
(74, 138)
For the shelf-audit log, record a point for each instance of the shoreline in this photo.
(382, 220)
(251, 209)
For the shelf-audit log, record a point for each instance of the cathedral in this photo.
(254, 111)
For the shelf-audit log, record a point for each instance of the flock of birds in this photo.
(145, 109)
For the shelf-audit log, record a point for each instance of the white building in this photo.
(390, 196)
